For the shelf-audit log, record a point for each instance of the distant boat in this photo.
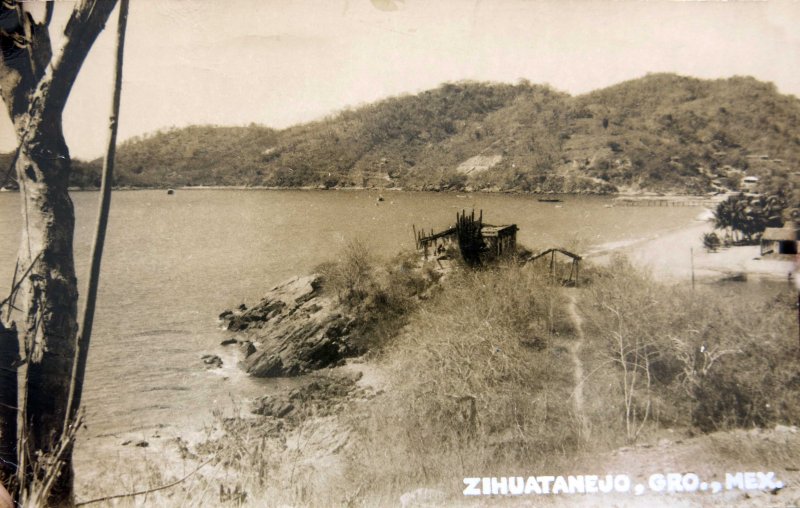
(380, 198)
(170, 191)
(549, 200)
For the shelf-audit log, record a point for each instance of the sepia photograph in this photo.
(410, 253)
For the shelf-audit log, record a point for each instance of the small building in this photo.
(572, 278)
(499, 240)
(780, 243)
(749, 183)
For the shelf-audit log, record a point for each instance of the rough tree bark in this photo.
(35, 85)
(9, 352)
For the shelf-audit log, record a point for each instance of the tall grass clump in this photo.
(380, 292)
(479, 382)
(714, 358)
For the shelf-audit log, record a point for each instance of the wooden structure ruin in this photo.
(475, 241)
(572, 278)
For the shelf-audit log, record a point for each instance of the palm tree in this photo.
(746, 217)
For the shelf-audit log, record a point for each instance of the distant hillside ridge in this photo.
(661, 133)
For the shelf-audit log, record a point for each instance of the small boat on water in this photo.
(380, 198)
(549, 200)
(170, 192)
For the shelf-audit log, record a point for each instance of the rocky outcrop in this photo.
(294, 329)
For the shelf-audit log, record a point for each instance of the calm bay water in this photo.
(173, 263)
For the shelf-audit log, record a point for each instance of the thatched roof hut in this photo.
(780, 242)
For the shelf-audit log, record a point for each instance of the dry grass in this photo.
(714, 358)
(479, 384)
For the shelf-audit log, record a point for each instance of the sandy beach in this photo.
(671, 256)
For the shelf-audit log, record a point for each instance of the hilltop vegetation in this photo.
(662, 132)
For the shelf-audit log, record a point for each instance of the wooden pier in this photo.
(666, 202)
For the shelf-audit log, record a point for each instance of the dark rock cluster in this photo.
(295, 329)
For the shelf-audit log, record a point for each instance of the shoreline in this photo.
(624, 196)
(678, 255)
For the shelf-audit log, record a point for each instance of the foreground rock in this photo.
(212, 361)
(294, 329)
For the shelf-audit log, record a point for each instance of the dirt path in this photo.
(574, 351)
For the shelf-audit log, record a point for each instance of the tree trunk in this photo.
(9, 353)
(35, 85)
(48, 296)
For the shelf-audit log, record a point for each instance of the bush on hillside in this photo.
(381, 293)
(716, 354)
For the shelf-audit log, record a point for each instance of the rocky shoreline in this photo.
(293, 330)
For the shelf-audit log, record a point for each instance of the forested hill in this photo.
(662, 132)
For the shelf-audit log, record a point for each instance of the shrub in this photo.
(380, 294)
(350, 278)
(711, 242)
(722, 358)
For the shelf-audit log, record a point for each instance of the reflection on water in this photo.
(174, 262)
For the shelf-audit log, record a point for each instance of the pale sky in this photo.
(282, 62)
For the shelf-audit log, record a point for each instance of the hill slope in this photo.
(662, 132)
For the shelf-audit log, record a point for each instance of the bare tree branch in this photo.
(86, 22)
(48, 14)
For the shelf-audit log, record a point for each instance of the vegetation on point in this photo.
(480, 380)
(380, 294)
(479, 376)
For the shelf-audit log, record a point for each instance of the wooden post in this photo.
(84, 338)
(691, 255)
